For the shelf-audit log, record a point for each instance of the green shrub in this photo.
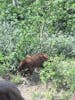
(60, 72)
(51, 70)
(8, 37)
(60, 44)
(68, 70)
(4, 64)
(17, 79)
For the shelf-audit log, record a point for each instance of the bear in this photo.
(32, 62)
(9, 91)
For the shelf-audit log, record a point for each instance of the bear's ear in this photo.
(46, 56)
(28, 56)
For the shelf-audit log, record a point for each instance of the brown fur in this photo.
(32, 62)
(9, 91)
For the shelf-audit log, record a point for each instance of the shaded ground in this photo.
(32, 88)
(28, 91)
(29, 86)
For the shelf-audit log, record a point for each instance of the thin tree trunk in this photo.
(15, 3)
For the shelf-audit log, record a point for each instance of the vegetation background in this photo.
(32, 26)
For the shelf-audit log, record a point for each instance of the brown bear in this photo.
(32, 62)
(8, 91)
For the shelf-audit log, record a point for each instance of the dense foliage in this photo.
(31, 26)
(60, 72)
